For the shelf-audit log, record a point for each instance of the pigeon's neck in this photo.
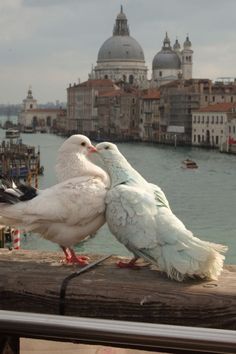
(121, 171)
(70, 165)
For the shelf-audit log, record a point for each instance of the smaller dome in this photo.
(187, 43)
(166, 58)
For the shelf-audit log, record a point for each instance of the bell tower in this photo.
(29, 102)
(187, 60)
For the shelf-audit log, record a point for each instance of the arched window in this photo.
(106, 77)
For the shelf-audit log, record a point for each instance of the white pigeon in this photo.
(73, 160)
(138, 214)
(65, 213)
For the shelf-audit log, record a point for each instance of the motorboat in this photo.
(188, 163)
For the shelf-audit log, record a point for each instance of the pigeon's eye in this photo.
(106, 147)
(83, 144)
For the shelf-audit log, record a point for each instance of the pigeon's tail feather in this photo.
(12, 191)
(7, 198)
(184, 265)
(193, 259)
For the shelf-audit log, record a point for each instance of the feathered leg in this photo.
(72, 258)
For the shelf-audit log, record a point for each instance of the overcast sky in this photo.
(49, 44)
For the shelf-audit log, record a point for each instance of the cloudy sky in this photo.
(49, 44)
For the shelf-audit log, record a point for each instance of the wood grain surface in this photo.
(30, 281)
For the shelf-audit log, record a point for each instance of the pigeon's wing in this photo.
(131, 213)
(160, 197)
(73, 202)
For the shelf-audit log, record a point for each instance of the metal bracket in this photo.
(71, 276)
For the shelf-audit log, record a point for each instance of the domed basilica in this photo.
(121, 59)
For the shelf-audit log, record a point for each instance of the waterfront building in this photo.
(121, 58)
(214, 126)
(81, 111)
(118, 114)
(150, 125)
(217, 92)
(35, 118)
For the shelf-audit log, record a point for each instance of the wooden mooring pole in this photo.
(31, 281)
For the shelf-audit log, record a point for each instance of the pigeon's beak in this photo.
(92, 149)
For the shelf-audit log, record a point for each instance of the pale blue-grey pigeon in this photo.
(138, 214)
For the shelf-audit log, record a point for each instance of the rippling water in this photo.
(204, 199)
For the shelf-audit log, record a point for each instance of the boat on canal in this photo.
(188, 163)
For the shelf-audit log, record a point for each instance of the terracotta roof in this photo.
(97, 83)
(218, 107)
(150, 94)
(120, 92)
(111, 93)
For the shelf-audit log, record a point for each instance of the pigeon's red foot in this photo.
(81, 260)
(72, 258)
(131, 264)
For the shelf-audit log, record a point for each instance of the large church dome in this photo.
(120, 48)
(166, 58)
(121, 57)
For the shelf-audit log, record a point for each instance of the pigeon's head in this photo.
(78, 144)
(107, 150)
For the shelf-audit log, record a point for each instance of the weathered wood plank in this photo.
(30, 281)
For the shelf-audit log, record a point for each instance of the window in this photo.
(212, 120)
(202, 138)
(131, 79)
(199, 138)
(198, 120)
(221, 120)
(194, 138)
(229, 129)
(160, 73)
(217, 119)
(217, 140)
(231, 99)
(202, 119)
(207, 120)
(213, 98)
(206, 98)
(194, 119)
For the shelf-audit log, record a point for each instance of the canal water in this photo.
(204, 199)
